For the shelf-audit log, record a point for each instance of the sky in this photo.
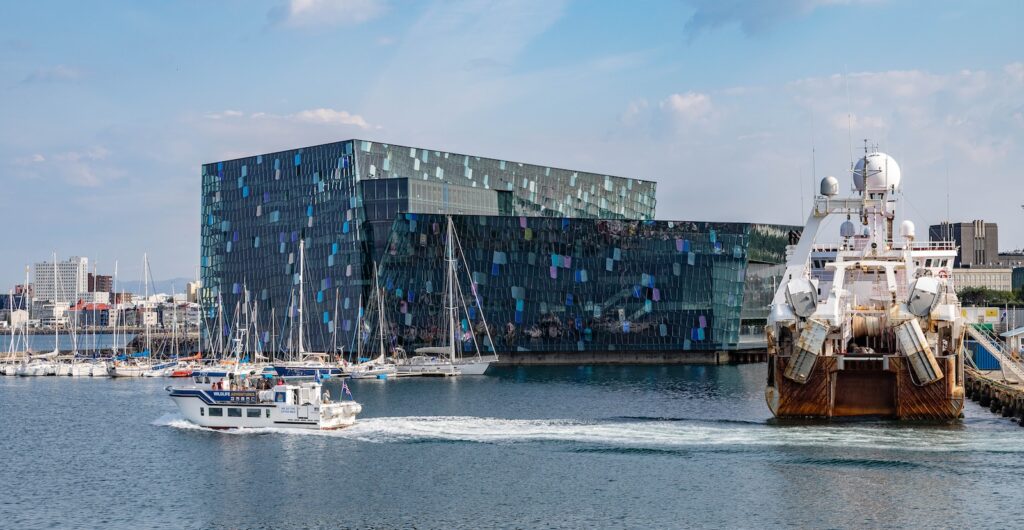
(736, 108)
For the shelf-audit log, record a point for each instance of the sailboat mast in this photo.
(380, 309)
(56, 328)
(145, 301)
(117, 313)
(449, 258)
(302, 266)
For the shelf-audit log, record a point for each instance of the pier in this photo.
(998, 385)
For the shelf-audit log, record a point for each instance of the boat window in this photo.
(928, 262)
(268, 413)
(216, 411)
(252, 413)
(202, 411)
(234, 412)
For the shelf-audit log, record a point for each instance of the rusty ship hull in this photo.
(877, 387)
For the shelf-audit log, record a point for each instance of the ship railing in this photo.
(859, 243)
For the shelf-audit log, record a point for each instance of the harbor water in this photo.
(576, 447)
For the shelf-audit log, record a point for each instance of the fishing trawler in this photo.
(869, 325)
(256, 403)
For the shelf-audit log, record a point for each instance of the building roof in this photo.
(1013, 333)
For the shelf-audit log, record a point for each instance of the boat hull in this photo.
(243, 409)
(475, 366)
(294, 373)
(865, 388)
(374, 372)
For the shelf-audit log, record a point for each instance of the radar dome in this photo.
(907, 230)
(881, 174)
(829, 186)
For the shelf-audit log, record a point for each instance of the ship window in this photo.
(268, 413)
(252, 413)
(202, 411)
(928, 262)
(234, 412)
(216, 411)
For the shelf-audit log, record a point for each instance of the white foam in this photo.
(652, 434)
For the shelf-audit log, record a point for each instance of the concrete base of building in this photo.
(620, 357)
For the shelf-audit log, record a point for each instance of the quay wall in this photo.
(635, 357)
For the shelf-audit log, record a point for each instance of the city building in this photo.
(192, 291)
(544, 244)
(23, 289)
(13, 301)
(1017, 279)
(61, 281)
(100, 283)
(987, 278)
(90, 314)
(98, 297)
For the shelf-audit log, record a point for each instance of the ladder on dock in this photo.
(997, 349)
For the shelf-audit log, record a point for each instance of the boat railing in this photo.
(859, 243)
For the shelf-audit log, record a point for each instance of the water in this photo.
(85, 342)
(541, 447)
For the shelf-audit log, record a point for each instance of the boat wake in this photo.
(657, 434)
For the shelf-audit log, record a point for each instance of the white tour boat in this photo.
(304, 406)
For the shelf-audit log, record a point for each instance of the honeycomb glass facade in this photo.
(564, 285)
(342, 199)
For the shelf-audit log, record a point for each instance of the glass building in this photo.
(563, 260)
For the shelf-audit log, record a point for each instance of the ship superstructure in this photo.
(869, 325)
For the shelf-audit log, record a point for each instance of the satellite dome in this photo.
(830, 186)
(907, 229)
(882, 174)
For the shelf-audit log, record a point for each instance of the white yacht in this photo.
(304, 406)
(38, 365)
(447, 360)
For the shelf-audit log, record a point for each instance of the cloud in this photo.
(225, 114)
(313, 116)
(688, 106)
(232, 133)
(845, 122)
(89, 167)
(753, 17)
(634, 110)
(323, 13)
(53, 74)
(479, 46)
(1015, 71)
(339, 117)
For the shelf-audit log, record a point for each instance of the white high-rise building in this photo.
(72, 277)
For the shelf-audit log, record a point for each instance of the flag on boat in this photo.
(344, 389)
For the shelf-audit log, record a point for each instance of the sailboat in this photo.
(45, 363)
(136, 364)
(307, 365)
(447, 359)
(474, 364)
(379, 367)
(18, 349)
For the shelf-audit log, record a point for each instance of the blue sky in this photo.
(109, 108)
